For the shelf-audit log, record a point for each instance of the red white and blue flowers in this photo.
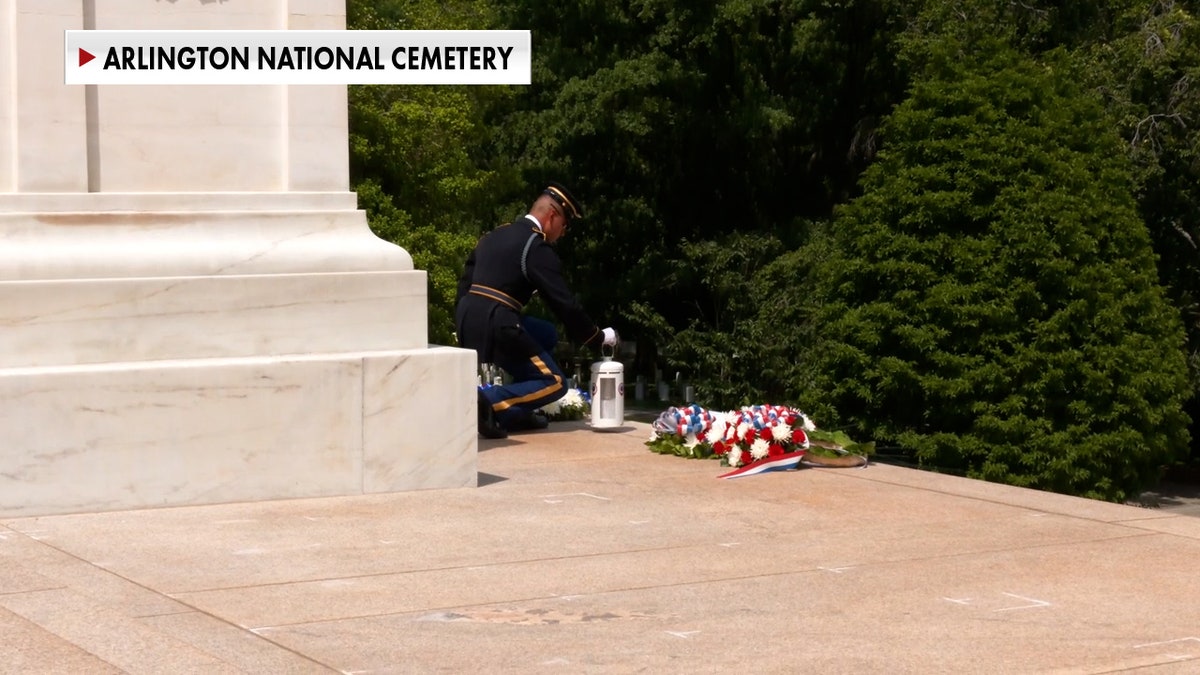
(753, 435)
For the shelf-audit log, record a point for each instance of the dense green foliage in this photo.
(414, 156)
(1146, 71)
(693, 128)
(992, 302)
(1002, 287)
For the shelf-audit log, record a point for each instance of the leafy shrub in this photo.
(991, 304)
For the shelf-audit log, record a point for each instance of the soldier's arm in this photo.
(545, 273)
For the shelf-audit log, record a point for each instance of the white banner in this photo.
(297, 57)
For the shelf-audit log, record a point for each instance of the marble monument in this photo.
(194, 309)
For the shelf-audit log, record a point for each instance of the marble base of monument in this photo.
(163, 350)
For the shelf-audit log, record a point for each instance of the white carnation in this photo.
(742, 429)
(759, 448)
(734, 456)
(716, 432)
(781, 433)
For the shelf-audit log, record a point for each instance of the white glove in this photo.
(610, 337)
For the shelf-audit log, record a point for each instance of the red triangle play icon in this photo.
(84, 56)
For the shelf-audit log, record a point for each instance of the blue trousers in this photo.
(536, 377)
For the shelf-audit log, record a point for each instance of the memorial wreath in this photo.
(753, 439)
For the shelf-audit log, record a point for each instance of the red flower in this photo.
(799, 437)
(775, 450)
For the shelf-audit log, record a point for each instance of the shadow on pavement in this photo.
(489, 478)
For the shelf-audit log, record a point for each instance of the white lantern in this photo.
(608, 393)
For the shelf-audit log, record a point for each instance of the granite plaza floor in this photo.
(583, 552)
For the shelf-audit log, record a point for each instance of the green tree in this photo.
(1143, 57)
(680, 123)
(1146, 73)
(418, 155)
(990, 303)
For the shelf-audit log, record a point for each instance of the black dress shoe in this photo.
(487, 420)
(532, 422)
(539, 420)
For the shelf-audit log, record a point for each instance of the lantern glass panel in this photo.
(608, 397)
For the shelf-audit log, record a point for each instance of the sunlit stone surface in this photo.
(194, 309)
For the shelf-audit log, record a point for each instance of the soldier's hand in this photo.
(610, 337)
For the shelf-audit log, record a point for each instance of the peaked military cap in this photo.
(560, 194)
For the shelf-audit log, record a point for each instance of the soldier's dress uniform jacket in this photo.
(508, 265)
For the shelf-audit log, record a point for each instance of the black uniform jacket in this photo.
(507, 266)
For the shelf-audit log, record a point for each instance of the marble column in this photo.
(194, 309)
